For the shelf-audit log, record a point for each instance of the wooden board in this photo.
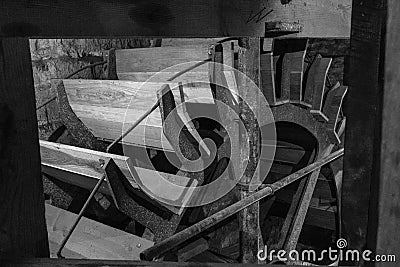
(387, 240)
(91, 239)
(201, 18)
(46, 262)
(316, 86)
(159, 58)
(81, 167)
(367, 149)
(166, 61)
(163, 76)
(108, 108)
(23, 231)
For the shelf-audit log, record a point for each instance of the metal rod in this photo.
(188, 69)
(45, 103)
(85, 67)
(65, 240)
(69, 76)
(155, 106)
(177, 239)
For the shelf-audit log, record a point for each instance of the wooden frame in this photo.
(178, 18)
(68, 19)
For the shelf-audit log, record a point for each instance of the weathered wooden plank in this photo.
(109, 107)
(333, 104)
(149, 63)
(362, 161)
(43, 262)
(163, 76)
(91, 239)
(229, 46)
(323, 217)
(297, 53)
(249, 224)
(286, 153)
(267, 72)
(383, 231)
(303, 206)
(81, 167)
(159, 58)
(316, 86)
(289, 67)
(22, 221)
(192, 249)
(206, 18)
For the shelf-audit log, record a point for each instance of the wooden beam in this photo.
(363, 171)
(384, 237)
(249, 64)
(200, 18)
(95, 263)
(22, 222)
(158, 58)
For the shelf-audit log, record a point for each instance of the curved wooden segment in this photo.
(290, 65)
(282, 71)
(316, 86)
(178, 134)
(267, 71)
(161, 224)
(82, 168)
(332, 107)
(91, 239)
(108, 108)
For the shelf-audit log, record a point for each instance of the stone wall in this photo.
(57, 58)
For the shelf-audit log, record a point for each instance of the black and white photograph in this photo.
(199, 133)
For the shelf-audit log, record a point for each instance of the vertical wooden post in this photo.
(249, 64)
(371, 183)
(384, 237)
(22, 223)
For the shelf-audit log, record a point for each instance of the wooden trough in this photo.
(82, 167)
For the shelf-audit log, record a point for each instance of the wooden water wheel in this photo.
(309, 125)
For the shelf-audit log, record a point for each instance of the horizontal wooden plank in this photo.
(91, 239)
(159, 58)
(189, 42)
(46, 262)
(206, 18)
(108, 108)
(81, 167)
(163, 76)
(324, 217)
